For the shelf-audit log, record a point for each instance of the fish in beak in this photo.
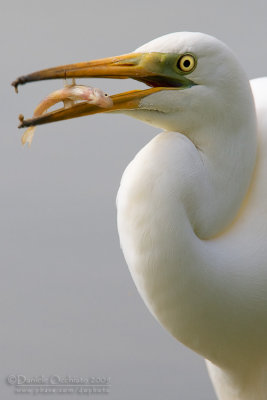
(160, 71)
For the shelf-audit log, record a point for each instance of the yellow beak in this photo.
(158, 70)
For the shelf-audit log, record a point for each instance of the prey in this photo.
(69, 94)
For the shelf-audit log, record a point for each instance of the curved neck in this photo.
(213, 171)
(172, 195)
(223, 178)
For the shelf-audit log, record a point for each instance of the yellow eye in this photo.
(186, 63)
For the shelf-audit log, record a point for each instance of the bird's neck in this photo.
(224, 170)
(172, 196)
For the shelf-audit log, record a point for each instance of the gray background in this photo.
(68, 305)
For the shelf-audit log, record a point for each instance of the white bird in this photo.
(192, 211)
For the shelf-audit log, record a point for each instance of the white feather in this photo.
(192, 215)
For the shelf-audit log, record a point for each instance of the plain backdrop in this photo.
(68, 304)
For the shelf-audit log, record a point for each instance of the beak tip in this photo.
(19, 81)
(21, 119)
(15, 85)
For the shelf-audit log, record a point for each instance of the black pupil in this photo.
(186, 63)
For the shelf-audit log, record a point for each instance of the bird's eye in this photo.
(186, 63)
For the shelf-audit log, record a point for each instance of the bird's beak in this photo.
(157, 70)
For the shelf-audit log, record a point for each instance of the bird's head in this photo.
(190, 75)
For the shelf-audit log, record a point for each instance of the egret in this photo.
(192, 211)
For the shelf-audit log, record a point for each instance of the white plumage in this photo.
(192, 215)
(192, 211)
